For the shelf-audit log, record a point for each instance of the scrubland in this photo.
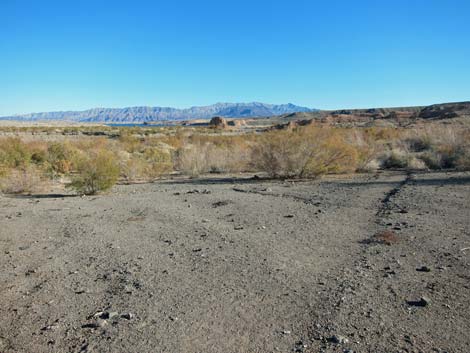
(97, 158)
(343, 241)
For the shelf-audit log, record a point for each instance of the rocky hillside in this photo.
(148, 114)
(394, 116)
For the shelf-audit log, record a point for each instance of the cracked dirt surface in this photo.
(240, 266)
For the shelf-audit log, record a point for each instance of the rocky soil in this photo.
(374, 263)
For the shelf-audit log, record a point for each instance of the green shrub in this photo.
(95, 173)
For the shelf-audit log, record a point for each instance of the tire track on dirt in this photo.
(329, 333)
(387, 204)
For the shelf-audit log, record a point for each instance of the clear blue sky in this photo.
(60, 55)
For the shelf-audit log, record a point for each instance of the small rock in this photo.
(50, 327)
(422, 302)
(101, 322)
(423, 269)
(94, 325)
(289, 216)
(113, 314)
(127, 316)
(338, 339)
(238, 228)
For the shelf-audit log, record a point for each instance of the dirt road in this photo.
(240, 266)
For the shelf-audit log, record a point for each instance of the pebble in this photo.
(105, 315)
(101, 322)
(127, 316)
(113, 314)
(422, 302)
(423, 269)
(338, 339)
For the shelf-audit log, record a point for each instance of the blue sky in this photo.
(61, 55)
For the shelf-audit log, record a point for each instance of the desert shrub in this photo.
(273, 154)
(130, 142)
(463, 160)
(14, 153)
(192, 159)
(415, 163)
(132, 167)
(367, 148)
(61, 158)
(96, 172)
(447, 157)
(228, 156)
(203, 153)
(382, 133)
(419, 143)
(431, 160)
(37, 151)
(177, 139)
(305, 152)
(396, 159)
(332, 156)
(157, 162)
(24, 180)
(38, 156)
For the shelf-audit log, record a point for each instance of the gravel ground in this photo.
(221, 265)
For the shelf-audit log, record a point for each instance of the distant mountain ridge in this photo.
(148, 114)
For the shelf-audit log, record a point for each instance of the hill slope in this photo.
(400, 115)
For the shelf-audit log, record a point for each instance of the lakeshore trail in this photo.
(240, 265)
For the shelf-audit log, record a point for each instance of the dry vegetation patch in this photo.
(98, 158)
